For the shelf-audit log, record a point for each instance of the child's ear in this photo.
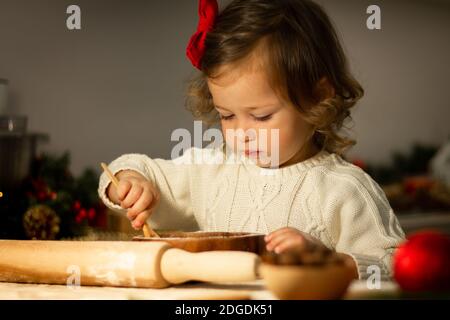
(324, 89)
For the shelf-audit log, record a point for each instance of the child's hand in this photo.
(285, 238)
(136, 194)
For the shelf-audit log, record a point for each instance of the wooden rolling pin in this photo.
(123, 264)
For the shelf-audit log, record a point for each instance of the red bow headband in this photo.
(207, 11)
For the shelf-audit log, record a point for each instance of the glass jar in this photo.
(13, 124)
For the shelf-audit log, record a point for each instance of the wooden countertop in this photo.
(254, 290)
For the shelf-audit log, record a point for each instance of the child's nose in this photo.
(247, 136)
(247, 133)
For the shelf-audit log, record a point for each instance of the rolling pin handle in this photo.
(178, 266)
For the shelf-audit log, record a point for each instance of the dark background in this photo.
(117, 85)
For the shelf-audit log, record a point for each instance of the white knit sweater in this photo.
(325, 196)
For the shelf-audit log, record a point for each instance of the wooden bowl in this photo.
(291, 282)
(209, 241)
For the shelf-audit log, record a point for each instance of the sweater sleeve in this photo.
(360, 222)
(170, 177)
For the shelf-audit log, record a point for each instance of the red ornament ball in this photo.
(422, 263)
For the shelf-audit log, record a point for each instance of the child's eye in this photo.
(265, 118)
(226, 117)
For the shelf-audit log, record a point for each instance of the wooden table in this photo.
(254, 290)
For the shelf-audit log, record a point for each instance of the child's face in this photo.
(245, 100)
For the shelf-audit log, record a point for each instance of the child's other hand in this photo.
(136, 194)
(285, 238)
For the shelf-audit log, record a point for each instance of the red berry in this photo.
(82, 213)
(42, 195)
(77, 205)
(91, 213)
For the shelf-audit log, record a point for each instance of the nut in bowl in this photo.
(303, 275)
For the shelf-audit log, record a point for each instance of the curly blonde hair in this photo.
(302, 48)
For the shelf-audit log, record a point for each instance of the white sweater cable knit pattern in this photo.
(325, 196)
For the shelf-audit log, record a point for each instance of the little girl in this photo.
(275, 65)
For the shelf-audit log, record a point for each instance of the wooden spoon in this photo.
(148, 232)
